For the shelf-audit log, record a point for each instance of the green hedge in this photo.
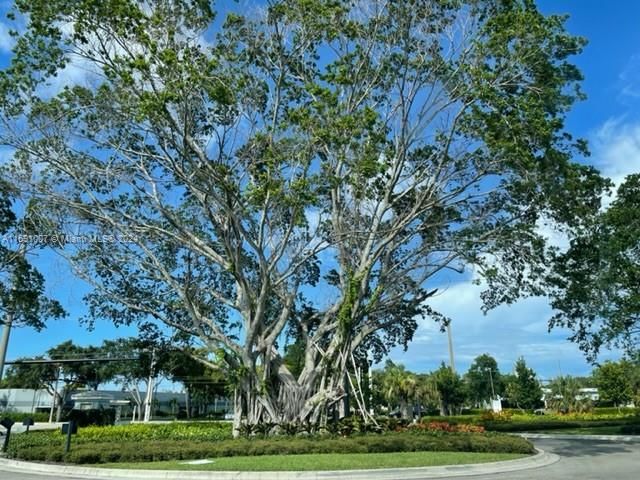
(630, 429)
(519, 426)
(46, 447)
(616, 411)
(523, 423)
(201, 431)
(19, 417)
(453, 419)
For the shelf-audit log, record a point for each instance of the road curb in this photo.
(541, 459)
(611, 438)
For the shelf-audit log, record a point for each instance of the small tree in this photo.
(202, 383)
(140, 375)
(399, 387)
(451, 389)
(615, 382)
(565, 395)
(524, 389)
(47, 376)
(483, 379)
(427, 396)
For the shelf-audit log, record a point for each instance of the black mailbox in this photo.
(28, 422)
(6, 423)
(74, 428)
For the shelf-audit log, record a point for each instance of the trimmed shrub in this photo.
(519, 426)
(445, 427)
(200, 431)
(19, 417)
(43, 446)
(630, 429)
(616, 411)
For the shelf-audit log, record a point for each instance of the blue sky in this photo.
(609, 119)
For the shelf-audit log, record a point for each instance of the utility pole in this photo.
(4, 341)
(451, 359)
(493, 392)
(9, 317)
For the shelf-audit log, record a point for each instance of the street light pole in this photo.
(493, 392)
(451, 359)
(4, 342)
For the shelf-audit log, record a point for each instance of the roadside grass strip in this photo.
(324, 462)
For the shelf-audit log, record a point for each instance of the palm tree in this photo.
(426, 393)
(399, 387)
(565, 395)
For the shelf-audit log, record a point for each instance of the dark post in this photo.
(70, 429)
(6, 423)
(27, 423)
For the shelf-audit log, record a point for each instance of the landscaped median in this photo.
(180, 442)
(605, 420)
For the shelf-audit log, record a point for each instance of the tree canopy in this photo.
(596, 280)
(483, 379)
(617, 382)
(524, 390)
(22, 287)
(451, 390)
(317, 163)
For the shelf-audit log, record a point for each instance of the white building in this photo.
(25, 400)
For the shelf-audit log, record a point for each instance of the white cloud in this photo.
(629, 78)
(616, 149)
(506, 333)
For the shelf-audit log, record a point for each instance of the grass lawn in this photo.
(331, 461)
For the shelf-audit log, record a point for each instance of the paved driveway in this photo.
(580, 460)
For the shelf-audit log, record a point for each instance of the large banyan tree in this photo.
(300, 171)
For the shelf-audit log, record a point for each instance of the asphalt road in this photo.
(580, 460)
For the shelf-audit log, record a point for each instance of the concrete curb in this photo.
(541, 459)
(612, 438)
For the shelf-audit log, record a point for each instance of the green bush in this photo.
(543, 424)
(201, 431)
(515, 421)
(616, 411)
(630, 429)
(20, 417)
(453, 419)
(45, 446)
(473, 411)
